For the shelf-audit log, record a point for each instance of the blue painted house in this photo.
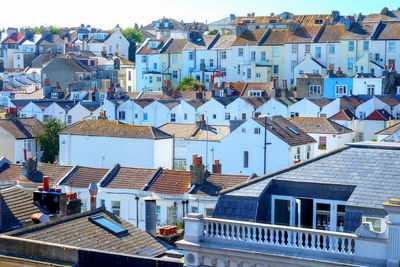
(337, 84)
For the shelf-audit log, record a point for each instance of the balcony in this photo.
(220, 242)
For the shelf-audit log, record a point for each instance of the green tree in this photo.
(49, 140)
(38, 30)
(188, 83)
(213, 32)
(134, 36)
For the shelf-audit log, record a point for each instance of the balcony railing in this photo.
(279, 236)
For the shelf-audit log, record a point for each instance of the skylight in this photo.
(293, 130)
(108, 225)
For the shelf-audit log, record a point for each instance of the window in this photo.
(46, 118)
(159, 79)
(377, 57)
(243, 116)
(174, 74)
(301, 72)
(102, 203)
(207, 78)
(294, 48)
(185, 116)
(322, 143)
(308, 153)
(154, 66)
(397, 116)
(258, 75)
(314, 89)
(297, 155)
(238, 69)
(179, 164)
(223, 54)
(158, 213)
(211, 63)
(214, 116)
(245, 159)
(243, 130)
(116, 207)
(144, 59)
(227, 116)
(240, 52)
(392, 47)
(151, 79)
(253, 56)
(121, 115)
(209, 212)
(191, 56)
(315, 71)
(129, 75)
(275, 52)
(318, 52)
(362, 115)
(108, 225)
(371, 89)
(28, 145)
(172, 215)
(145, 116)
(341, 89)
(257, 130)
(351, 46)
(175, 59)
(263, 56)
(223, 70)
(365, 45)
(173, 117)
(350, 63)
(248, 73)
(331, 48)
(276, 69)
(308, 48)
(54, 95)
(377, 223)
(69, 119)
(322, 115)
(294, 114)
(255, 93)
(195, 210)
(136, 116)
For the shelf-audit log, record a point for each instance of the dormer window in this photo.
(318, 21)
(154, 45)
(54, 95)
(166, 24)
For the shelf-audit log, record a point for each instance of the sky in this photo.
(106, 14)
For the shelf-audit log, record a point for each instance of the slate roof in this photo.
(360, 31)
(389, 100)
(170, 103)
(276, 37)
(171, 182)
(196, 102)
(143, 102)
(287, 101)
(379, 115)
(395, 137)
(130, 178)
(16, 208)
(23, 128)
(390, 130)
(224, 42)
(82, 176)
(91, 106)
(280, 127)
(216, 182)
(205, 42)
(374, 178)
(212, 133)
(389, 31)
(256, 102)
(331, 34)
(249, 37)
(353, 101)
(114, 129)
(147, 50)
(344, 115)
(176, 47)
(266, 87)
(319, 125)
(76, 230)
(321, 102)
(305, 34)
(179, 130)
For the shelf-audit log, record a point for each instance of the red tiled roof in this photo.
(343, 115)
(83, 176)
(171, 182)
(131, 178)
(379, 115)
(14, 38)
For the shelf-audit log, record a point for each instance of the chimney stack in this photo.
(29, 168)
(330, 70)
(151, 215)
(93, 189)
(216, 167)
(201, 122)
(197, 171)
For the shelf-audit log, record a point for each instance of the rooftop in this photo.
(23, 128)
(319, 125)
(390, 130)
(171, 182)
(114, 129)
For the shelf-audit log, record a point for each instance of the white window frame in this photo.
(341, 89)
(314, 89)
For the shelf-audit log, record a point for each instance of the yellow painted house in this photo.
(171, 62)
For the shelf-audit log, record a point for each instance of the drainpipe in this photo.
(137, 211)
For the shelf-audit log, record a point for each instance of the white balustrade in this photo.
(280, 236)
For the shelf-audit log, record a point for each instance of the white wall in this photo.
(274, 108)
(333, 141)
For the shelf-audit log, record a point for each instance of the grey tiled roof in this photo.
(76, 230)
(370, 166)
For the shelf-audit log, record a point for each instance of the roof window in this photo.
(293, 130)
(108, 225)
